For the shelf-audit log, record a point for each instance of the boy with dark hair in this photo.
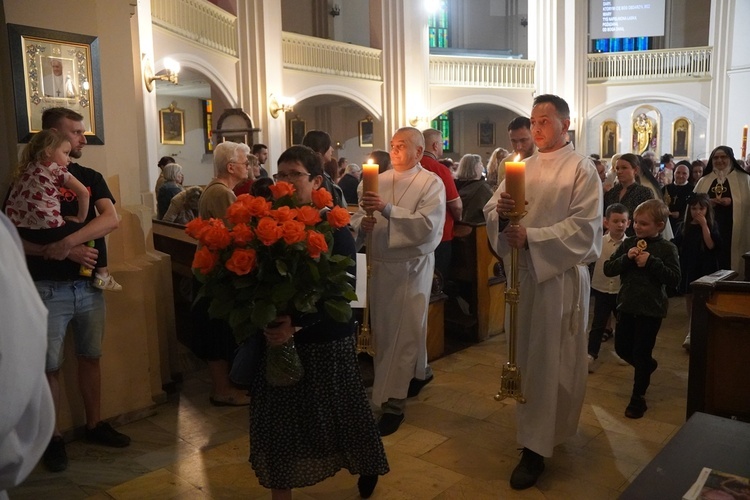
(603, 288)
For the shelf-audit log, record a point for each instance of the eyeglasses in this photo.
(246, 163)
(290, 176)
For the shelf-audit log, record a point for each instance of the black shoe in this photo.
(104, 434)
(55, 459)
(527, 471)
(416, 385)
(636, 408)
(389, 423)
(654, 365)
(366, 485)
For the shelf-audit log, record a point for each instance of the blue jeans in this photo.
(72, 302)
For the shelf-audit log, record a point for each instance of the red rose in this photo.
(216, 236)
(257, 205)
(293, 231)
(322, 198)
(316, 244)
(196, 227)
(238, 213)
(281, 189)
(242, 261)
(204, 260)
(242, 234)
(268, 231)
(283, 214)
(308, 215)
(338, 217)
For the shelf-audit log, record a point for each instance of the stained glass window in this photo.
(438, 27)
(444, 123)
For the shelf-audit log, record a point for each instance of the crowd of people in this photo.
(629, 235)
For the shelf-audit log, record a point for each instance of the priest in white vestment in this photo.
(409, 211)
(560, 234)
(27, 414)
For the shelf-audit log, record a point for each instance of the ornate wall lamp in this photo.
(172, 69)
(280, 104)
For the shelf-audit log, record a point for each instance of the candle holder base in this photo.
(510, 384)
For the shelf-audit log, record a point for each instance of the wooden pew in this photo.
(477, 276)
(720, 347)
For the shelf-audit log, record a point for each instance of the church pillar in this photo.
(558, 44)
(261, 71)
(400, 30)
(729, 106)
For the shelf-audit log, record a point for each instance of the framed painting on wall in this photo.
(366, 133)
(297, 131)
(608, 139)
(486, 134)
(53, 69)
(681, 138)
(172, 124)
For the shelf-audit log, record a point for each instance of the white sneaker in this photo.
(686, 343)
(619, 360)
(107, 283)
(593, 363)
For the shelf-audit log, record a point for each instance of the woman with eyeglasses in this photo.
(214, 340)
(305, 433)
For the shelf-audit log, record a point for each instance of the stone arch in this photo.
(500, 101)
(374, 109)
(227, 89)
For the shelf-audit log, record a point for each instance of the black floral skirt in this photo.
(303, 434)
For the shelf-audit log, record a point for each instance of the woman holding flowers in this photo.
(281, 267)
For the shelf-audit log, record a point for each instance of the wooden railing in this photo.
(319, 55)
(464, 71)
(199, 21)
(651, 65)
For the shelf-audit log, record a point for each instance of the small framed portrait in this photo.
(172, 124)
(366, 132)
(54, 69)
(297, 131)
(608, 139)
(681, 138)
(486, 134)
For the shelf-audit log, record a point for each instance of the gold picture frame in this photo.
(486, 134)
(366, 133)
(681, 131)
(297, 131)
(55, 69)
(172, 125)
(609, 139)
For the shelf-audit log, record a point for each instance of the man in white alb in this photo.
(407, 225)
(561, 233)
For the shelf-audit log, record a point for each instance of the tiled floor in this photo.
(457, 442)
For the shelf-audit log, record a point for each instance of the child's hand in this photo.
(700, 219)
(633, 253)
(72, 218)
(642, 258)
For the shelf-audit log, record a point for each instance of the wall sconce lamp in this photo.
(172, 69)
(416, 120)
(335, 10)
(280, 104)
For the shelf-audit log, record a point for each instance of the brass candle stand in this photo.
(364, 336)
(510, 380)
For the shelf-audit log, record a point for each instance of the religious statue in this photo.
(643, 129)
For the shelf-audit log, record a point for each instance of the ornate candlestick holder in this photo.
(364, 336)
(510, 379)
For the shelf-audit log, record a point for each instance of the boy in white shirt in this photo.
(603, 288)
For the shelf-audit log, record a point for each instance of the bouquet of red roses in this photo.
(272, 258)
